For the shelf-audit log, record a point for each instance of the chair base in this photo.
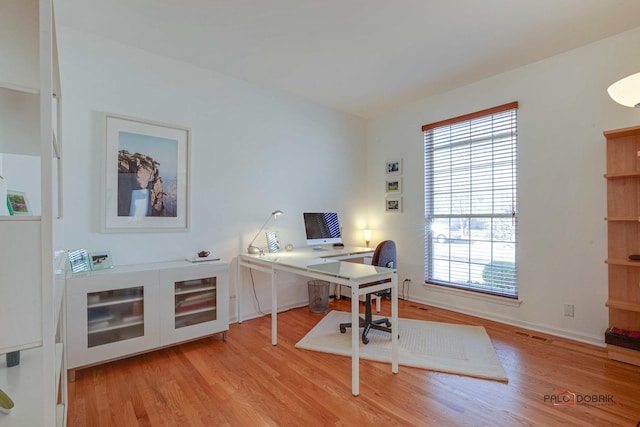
(368, 323)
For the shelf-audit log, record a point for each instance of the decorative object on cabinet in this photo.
(626, 91)
(100, 260)
(394, 204)
(6, 404)
(273, 241)
(136, 308)
(394, 167)
(18, 203)
(254, 249)
(147, 175)
(623, 227)
(79, 260)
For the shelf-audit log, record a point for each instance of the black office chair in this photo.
(383, 256)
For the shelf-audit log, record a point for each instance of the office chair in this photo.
(383, 256)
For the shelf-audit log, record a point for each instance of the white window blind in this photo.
(471, 201)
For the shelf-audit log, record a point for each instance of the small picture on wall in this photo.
(393, 185)
(100, 261)
(394, 204)
(394, 167)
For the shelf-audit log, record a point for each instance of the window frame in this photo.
(499, 269)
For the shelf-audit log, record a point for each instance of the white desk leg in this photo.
(238, 316)
(394, 324)
(274, 309)
(355, 342)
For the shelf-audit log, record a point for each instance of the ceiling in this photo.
(364, 57)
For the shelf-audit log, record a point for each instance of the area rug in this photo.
(443, 347)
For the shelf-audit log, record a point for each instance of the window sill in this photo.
(474, 295)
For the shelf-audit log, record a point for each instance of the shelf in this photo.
(623, 262)
(623, 219)
(115, 301)
(23, 383)
(21, 218)
(196, 311)
(623, 305)
(114, 326)
(622, 175)
(182, 291)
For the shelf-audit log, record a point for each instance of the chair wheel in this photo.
(343, 330)
(388, 324)
(365, 340)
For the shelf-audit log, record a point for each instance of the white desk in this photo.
(329, 265)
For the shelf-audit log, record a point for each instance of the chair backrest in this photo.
(385, 254)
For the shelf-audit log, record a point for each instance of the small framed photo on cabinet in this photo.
(18, 203)
(100, 261)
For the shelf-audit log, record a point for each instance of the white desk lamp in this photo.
(254, 249)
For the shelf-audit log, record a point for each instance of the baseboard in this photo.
(587, 339)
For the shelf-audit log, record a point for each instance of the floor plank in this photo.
(246, 381)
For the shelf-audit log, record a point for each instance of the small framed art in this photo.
(79, 260)
(393, 185)
(18, 203)
(394, 167)
(394, 204)
(273, 241)
(100, 261)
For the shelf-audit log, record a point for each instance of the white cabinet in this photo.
(132, 309)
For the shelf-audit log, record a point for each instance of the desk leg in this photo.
(238, 316)
(274, 309)
(394, 324)
(355, 342)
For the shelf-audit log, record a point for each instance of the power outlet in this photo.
(568, 310)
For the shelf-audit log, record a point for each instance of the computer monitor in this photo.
(322, 228)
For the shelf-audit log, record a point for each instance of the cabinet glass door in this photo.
(195, 301)
(115, 315)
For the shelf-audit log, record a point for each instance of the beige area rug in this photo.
(443, 347)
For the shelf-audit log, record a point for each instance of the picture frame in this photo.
(78, 261)
(393, 204)
(18, 203)
(100, 260)
(393, 184)
(273, 241)
(146, 175)
(393, 167)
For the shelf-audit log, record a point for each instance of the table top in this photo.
(326, 261)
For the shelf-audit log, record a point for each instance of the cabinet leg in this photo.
(224, 335)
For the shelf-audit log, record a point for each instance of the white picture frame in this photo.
(393, 204)
(146, 175)
(393, 167)
(393, 184)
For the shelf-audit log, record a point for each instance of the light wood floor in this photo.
(246, 381)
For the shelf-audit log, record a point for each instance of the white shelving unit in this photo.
(132, 309)
(31, 293)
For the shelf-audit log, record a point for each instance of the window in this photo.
(471, 203)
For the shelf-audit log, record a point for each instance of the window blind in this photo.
(471, 211)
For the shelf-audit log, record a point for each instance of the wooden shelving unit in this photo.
(623, 223)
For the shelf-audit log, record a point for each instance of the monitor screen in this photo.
(322, 228)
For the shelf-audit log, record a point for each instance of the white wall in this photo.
(253, 150)
(564, 108)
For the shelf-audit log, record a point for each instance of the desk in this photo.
(330, 265)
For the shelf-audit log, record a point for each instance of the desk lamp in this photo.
(254, 249)
(367, 238)
(626, 91)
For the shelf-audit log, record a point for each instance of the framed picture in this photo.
(100, 261)
(273, 241)
(18, 203)
(394, 167)
(394, 204)
(146, 179)
(393, 185)
(79, 260)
